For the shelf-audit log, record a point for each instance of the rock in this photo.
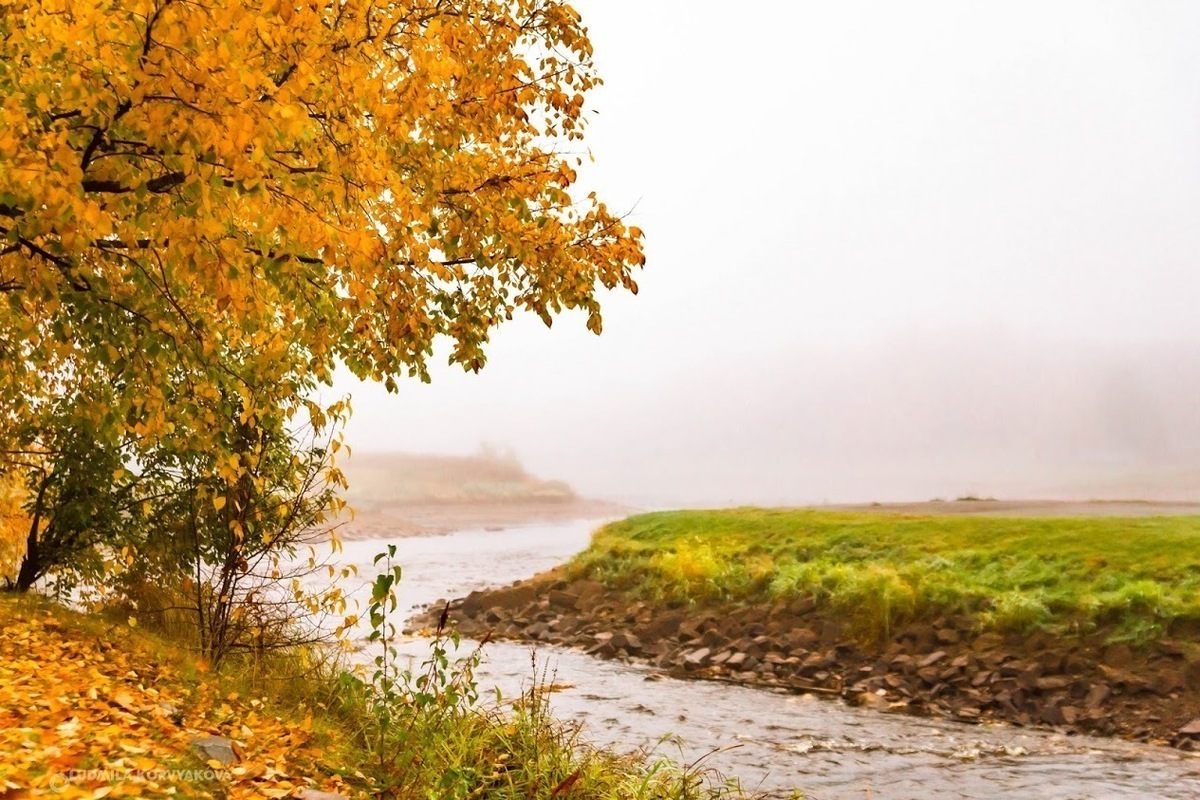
(1053, 715)
(627, 642)
(474, 603)
(1119, 656)
(801, 606)
(871, 700)
(563, 599)
(1052, 662)
(511, 598)
(1191, 729)
(689, 630)
(987, 641)
(816, 661)
(663, 626)
(948, 636)
(215, 748)
(930, 675)
(1016, 667)
(1169, 680)
(697, 658)
(1038, 640)
(1077, 663)
(589, 592)
(801, 639)
(602, 649)
(736, 660)
(1124, 678)
(1052, 683)
(1097, 695)
(931, 659)
(722, 657)
(1170, 647)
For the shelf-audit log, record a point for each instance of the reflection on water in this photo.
(773, 741)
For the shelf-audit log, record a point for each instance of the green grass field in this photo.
(1136, 576)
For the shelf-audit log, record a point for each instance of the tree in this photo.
(205, 208)
(341, 181)
(77, 492)
(223, 559)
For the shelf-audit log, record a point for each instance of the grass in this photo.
(300, 719)
(1135, 577)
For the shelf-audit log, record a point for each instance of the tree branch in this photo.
(159, 185)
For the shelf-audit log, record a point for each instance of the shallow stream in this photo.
(771, 741)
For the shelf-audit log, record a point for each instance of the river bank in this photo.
(92, 706)
(956, 662)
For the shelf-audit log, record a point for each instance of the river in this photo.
(772, 741)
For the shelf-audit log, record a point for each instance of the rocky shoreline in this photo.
(943, 667)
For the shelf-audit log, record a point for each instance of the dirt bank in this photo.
(944, 667)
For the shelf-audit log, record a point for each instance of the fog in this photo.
(895, 251)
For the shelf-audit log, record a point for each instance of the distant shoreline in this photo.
(407, 494)
(433, 518)
(991, 507)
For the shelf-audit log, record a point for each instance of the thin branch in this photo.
(159, 185)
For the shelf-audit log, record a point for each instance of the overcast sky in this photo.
(894, 250)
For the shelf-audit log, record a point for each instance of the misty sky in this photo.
(894, 251)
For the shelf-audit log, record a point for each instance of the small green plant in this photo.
(384, 689)
(410, 712)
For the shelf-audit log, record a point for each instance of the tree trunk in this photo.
(31, 565)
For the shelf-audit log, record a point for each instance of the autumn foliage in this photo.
(205, 209)
(308, 183)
